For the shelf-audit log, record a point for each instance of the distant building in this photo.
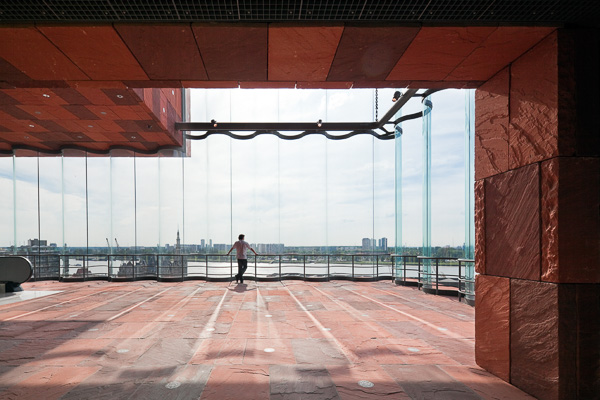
(366, 244)
(383, 244)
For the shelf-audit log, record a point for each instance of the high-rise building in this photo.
(366, 244)
(383, 244)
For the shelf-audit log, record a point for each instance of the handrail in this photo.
(209, 266)
(221, 267)
(422, 278)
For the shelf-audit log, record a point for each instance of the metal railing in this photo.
(214, 267)
(430, 274)
(434, 274)
(466, 285)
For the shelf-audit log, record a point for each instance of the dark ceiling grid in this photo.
(443, 11)
(99, 10)
(160, 10)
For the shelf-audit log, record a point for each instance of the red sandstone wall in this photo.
(537, 219)
(166, 106)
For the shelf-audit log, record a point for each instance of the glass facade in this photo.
(132, 214)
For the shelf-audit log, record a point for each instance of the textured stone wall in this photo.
(537, 219)
(166, 107)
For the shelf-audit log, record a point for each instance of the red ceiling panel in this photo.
(35, 97)
(302, 53)
(267, 85)
(96, 96)
(70, 96)
(97, 84)
(16, 112)
(323, 85)
(33, 54)
(369, 53)
(503, 46)
(210, 84)
(165, 51)
(61, 119)
(435, 52)
(9, 73)
(96, 50)
(47, 112)
(233, 51)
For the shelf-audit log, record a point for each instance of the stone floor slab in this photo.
(216, 340)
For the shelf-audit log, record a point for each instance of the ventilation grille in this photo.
(446, 11)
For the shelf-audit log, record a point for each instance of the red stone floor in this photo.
(280, 340)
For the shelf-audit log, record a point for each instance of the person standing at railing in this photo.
(241, 247)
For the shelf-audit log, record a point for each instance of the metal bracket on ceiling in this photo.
(306, 128)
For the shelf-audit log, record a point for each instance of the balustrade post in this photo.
(436, 275)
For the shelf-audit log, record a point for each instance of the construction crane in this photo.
(117, 244)
(109, 248)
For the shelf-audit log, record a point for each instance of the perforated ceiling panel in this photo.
(443, 11)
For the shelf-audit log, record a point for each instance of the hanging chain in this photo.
(376, 105)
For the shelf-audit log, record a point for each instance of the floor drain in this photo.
(173, 385)
(414, 350)
(366, 384)
(269, 350)
(123, 351)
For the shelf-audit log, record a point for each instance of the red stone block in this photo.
(492, 324)
(301, 53)
(512, 224)
(246, 45)
(570, 220)
(165, 52)
(446, 48)
(369, 53)
(492, 126)
(98, 51)
(533, 133)
(544, 338)
(499, 49)
(57, 66)
(480, 226)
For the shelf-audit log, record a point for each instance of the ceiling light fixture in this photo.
(320, 123)
(213, 122)
(396, 96)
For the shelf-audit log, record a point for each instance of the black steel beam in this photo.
(297, 126)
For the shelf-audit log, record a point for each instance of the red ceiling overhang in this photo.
(83, 70)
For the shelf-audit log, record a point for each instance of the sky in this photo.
(308, 192)
(313, 191)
